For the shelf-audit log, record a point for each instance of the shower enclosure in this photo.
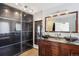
(16, 28)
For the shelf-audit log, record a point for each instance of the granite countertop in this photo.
(62, 40)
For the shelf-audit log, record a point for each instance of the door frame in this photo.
(35, 29)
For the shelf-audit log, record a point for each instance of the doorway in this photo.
(38, 31)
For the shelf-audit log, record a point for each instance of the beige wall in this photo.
(42, 14)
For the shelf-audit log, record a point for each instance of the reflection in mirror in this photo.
(49, 23)
(62, 23)
(62, 26)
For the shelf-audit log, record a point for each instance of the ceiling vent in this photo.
(25, 6)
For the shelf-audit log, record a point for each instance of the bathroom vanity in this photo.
(58, 47)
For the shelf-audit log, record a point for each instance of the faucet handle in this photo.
(59, 34)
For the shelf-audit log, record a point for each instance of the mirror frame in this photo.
(62, 15)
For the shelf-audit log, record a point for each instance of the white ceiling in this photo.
(33, 7)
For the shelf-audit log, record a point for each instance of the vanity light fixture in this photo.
(58, 14)
(62, 13)
(66, 12)
(55, 15)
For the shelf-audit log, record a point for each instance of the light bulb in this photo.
(58, 14)
(6, 10)
(16, 13)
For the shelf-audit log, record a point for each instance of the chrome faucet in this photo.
(70, 37)
(58, 35)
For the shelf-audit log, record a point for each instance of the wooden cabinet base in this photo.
(50, 48)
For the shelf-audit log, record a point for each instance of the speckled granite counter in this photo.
(62, 40)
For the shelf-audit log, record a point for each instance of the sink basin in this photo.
(72, 39)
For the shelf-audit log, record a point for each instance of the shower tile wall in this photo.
(16, 36)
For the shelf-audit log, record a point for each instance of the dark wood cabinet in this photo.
(65, 50)
(74, 50)
(69, 50)
(50, 48)
(46, 48)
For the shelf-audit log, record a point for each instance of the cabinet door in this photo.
(65, 50)
(48, 50)
(74, 50)
(55, 51)
(45, 49)
(41, 50)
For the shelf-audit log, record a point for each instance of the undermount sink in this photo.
(71, 39)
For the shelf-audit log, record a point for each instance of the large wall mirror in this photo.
(65, 22)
